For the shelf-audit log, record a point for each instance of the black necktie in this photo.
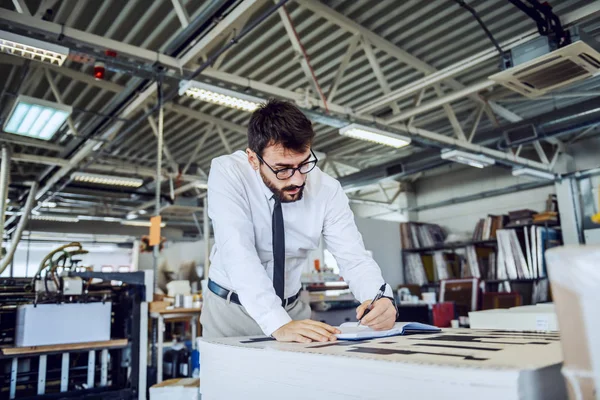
(278, 250)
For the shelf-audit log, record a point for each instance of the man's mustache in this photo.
(294, 187)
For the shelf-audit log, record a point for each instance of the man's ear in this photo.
(252, 159)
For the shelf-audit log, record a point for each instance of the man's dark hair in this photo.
(279, 122)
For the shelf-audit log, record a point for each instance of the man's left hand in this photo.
(381, 317)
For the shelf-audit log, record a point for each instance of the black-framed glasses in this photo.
(287, 173)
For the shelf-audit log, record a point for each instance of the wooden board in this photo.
(62, 348)
(179, 311)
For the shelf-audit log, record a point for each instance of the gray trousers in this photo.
(221, 318)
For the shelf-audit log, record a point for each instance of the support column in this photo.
(4, 181)
(569, 208)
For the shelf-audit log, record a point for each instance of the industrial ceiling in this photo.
(419, 68)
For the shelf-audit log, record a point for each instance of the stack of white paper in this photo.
(539, 317)
(452, 364)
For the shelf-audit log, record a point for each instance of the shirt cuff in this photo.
(389, 292)
(274, 320)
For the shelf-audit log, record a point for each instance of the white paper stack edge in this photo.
(457, 363)
(539, 317)
(575, 277)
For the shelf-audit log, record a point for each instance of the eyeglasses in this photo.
(287, 173)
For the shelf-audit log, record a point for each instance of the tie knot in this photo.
(276, 200)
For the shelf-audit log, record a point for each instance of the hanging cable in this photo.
(486, 30)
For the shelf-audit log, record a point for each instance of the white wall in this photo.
(463, 181)
(383, 239)
(99, 255)
(460, 180)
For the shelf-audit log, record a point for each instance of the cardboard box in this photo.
(181, 389)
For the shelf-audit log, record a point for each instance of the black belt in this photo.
(233, 297)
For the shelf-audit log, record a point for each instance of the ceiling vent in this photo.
(538, 66)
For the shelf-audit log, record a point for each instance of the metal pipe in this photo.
(159, 152)
(22, 223)
(4, 181)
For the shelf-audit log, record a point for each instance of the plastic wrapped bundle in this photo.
(574, 273)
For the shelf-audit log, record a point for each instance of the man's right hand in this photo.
(306, 331)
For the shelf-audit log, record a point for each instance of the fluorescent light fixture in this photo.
(520, 171)
(108, 180)
(131, 216)
(218, 95)
(33, 49)
(142, 212)
(54, 218)
(48, 204)
(374, 135)
(464, 157)
(36, 118)
(201, 185)
(141, 223)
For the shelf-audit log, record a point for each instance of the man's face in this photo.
(278, 157)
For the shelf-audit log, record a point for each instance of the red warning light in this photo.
(99, 70)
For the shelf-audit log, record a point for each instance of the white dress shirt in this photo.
(240, 206)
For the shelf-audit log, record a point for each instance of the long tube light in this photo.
(218, 95)
(33, 49)
(141, 223)
(108, 180)
(524, 171)
(54, 218)
(374, 135)
(36, 118)
(463, 157)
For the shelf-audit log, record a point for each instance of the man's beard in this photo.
(280, 194)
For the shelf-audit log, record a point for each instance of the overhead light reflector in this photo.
(374, 135)
(36, 118)
(464, 157)
(33, 49)
(218, 95)
(524, 171)
(55, 218)
(141, 223)
(108, 180)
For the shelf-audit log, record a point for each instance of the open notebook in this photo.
(352, 332)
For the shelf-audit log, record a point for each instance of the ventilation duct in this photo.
(539, 66)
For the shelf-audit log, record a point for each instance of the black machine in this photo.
(103, 370)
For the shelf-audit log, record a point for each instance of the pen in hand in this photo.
(378, 296)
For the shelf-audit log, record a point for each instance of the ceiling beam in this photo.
(471, 62)
(21, 7)
(181, 12)
(294, 37)
(121, 168)
(27, 21)
(353, 43)
(206, 118)
(70, 73)
(385, 86)
(220, 31)
(430, 105)
(450, 113)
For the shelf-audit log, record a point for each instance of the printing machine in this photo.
(47, 328)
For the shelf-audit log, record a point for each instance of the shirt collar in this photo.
(268, 193)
